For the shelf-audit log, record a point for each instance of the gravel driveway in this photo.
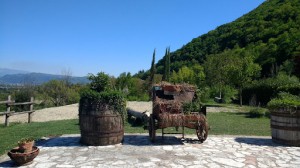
(67, 112)
(71, 112)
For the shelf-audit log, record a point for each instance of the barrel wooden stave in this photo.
(100, 126)
(285, 126)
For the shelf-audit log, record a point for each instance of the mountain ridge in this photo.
(19, 77)
(271, 32)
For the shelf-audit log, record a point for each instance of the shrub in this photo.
(259, 112)
(100, 82)
(101, 94)
(114, 100)
(21, 96)
(285, 100)
(228, 93)
(203, 93)
(263, 90)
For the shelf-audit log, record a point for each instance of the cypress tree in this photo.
(152, 69)
(166, 76)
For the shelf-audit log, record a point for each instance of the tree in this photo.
(67, 76)
(123, 82)
(166, 75)
(199, 74)
(241, 72)
(100, 82)
(152, 70)
(215, 70)
(57, 92)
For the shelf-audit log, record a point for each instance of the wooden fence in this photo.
(9, 103)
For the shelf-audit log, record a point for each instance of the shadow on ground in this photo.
(257, 141)
(136, 140)
(8, 163)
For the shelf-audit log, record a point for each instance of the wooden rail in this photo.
(9, 113)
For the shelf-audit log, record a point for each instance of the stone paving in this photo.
(138, 151)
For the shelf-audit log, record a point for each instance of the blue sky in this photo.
(113, 36)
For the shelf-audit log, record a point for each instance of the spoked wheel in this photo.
(152, 131)
(202, 129)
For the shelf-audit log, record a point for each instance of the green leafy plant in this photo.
(258, 113)
(191, 107)
(101, 95)
(25, 140)
(194, 106)
(285, 100)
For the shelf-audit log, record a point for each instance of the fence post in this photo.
(8, 111)
(31, 109)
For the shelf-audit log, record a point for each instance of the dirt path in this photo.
(71, 112)
(48, 114)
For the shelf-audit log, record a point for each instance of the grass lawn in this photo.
(220, 123)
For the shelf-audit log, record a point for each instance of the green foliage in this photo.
(232, 67)
(133, 88)
(23, 95)
(113, 99)
(123, 82)
(25, 140)
(293, 88)
(194, 75)
(271, 33)
(100, 82)
(58, 93)
(259, 112)
(152, 70)
(265, 89)
(167, 70)
(204, 94)
(228, 93)
(191, 107)
(100, 93)
(285, 100)
(194, 106)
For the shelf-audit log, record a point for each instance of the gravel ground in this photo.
(68, 112)
(48, 114)
(71, 112)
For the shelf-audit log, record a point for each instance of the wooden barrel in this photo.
(285, 126)
(99, 126)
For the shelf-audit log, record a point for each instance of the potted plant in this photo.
(25, 145)
(102, 112)
(25, 152)
(285, 119)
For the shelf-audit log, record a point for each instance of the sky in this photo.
(111, 36)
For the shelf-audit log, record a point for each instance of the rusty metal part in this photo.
(202, 129)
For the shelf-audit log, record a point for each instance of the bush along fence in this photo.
(11, 103)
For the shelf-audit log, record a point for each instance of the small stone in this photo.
(168, 148)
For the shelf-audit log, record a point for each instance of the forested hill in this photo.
(271, 33)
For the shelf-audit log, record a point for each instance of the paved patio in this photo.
(138, 151)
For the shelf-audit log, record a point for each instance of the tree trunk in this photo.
(241, 96)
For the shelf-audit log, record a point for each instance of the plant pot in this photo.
(23, 158)
(99, 126)
(26, 147)
(285, 126)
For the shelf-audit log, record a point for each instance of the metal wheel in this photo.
(152, 131)
(202, 129)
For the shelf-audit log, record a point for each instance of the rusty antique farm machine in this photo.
(168, 101)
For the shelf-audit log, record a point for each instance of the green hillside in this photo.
(271, 33)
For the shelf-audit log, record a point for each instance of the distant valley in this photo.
(19, 77)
